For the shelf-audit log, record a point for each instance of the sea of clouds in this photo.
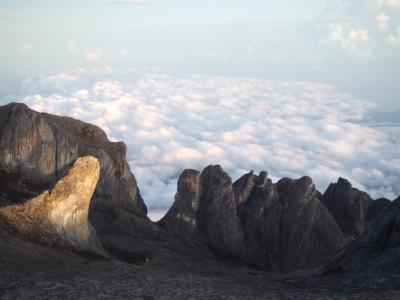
(171, 123)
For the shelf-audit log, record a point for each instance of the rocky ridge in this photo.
(276, 227)
(47, 182)
(38, 149)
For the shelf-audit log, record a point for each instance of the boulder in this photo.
(60, 216)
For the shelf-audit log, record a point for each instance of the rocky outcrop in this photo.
(60, 216)
(285, 225)
(348, 206)
(260, 212)
(204, 213)
(375, 256)
(37, 149)
(182, 216)
(217, 217)
(280, 226)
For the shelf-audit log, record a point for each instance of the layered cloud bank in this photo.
(171, 123)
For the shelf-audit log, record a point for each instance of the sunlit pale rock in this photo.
(60, 216)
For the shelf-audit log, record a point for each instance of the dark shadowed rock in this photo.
(375, 208)
(181, 219)
(286, 226)
(183, 213)
(244, 186)
(260, 213)
(272, 227)
(374, 258)
(307, 226)
(217, 214)
(204, 213)
(348, 206)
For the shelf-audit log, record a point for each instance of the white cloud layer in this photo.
(171, 123)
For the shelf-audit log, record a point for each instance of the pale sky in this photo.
(353, 45)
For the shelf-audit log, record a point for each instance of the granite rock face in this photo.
(375, 256)
(277, 227)
(60, 216)
(183, 213)
(37, 149)
(286, 226)
(204, 213)
(348, 206)
(260, 211)
(217, 218)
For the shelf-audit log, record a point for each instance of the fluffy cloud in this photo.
(393, 40)
(382, 19)
(354, 41)
(336, 32)
(81, 94)
(359, 35)
(344, 35)
(94, 55)
(360, 30)
(172, 123)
